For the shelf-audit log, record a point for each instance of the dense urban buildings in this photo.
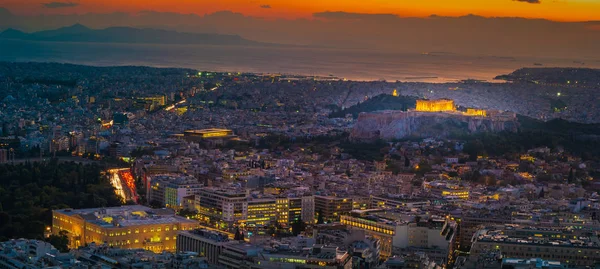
(236, 170)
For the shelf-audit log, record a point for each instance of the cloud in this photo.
(60, 4)
(340, 15)
(530, 1)
(265, 6)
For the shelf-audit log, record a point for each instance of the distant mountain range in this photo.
(80, 33)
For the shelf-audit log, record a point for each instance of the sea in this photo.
(351, 64)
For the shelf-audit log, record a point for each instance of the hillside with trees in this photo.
(379, 102)
(30, 191)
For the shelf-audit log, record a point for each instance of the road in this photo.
(124, 184)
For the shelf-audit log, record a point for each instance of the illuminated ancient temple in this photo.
(476, 112)
(440, 105)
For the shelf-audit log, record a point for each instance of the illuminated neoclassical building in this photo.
(440, 105)
(127, 227)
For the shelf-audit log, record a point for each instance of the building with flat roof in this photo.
(169, 190)
(127, 227)
(319, 256)
(332, 207)
(574, 247)
(435, 236)
(227, 205)
(533, 263)
(206, 243)
(25, 253)
(261, 213)
(208, 133)
(447, 190)
(391, 202)
(239, 255)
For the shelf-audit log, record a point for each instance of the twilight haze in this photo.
(554, 29)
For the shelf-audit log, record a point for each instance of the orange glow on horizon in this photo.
(574, 10)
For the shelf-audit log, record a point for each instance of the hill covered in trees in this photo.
(30, 191)
(379, 102)
(558, 126)
(577, 138)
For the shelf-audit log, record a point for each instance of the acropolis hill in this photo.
(431, 118)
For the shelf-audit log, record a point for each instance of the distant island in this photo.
(81, 33)
(558, 76)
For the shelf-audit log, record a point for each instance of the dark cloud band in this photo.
(530, 1)
(60, 4)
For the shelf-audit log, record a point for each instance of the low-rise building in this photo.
(206, 243)
(578, 248)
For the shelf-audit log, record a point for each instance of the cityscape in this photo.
(114, 165)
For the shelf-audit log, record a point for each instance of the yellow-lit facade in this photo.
(209, 133)
(476, 112)
(381, 231)
(143, 235)
(361, 203)
(264, 212)
(441, 105)
(161, 100)
(462, 194)
(261, 213)
(283, 207)
(449, 190)
(295, 210)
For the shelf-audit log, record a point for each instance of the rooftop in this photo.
(208, 234)
(125, 216)
(514, 234)
(205, 131)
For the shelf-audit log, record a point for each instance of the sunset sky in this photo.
(560, 10)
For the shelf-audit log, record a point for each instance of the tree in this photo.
(490, 180)
(298, 226)
(571, 176)
(30, 191)
(186, 213)
(237, 236)
(60, 241)
(320, 219)
(155, 204)
(406, 161)
(474, 148)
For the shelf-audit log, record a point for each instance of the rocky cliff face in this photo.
(390, 125)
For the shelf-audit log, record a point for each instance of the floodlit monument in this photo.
(431, 118)
(440, 105)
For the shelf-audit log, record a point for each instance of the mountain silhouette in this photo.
(81, 33)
